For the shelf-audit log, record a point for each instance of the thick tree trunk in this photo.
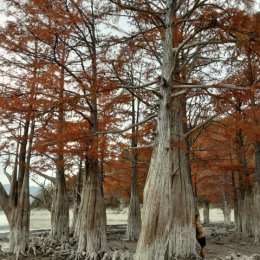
(134, 218)
(246, 206)
(19, 198)
(227, 214)
(77, 199)
(22, 212)
(92, 235)
(81, 214)
(168, 224)
(134, 212)
(60, 208)
(226, 208)
(257, 193)
(257, 213)
(13, 198)
(247, 214)
(22, 221)
(206, 212)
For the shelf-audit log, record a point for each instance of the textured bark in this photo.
(134, 219)
(60, 209)
(13, 198)
(168, 229)
(19, 199)
(22, 212)
(22, 221)
(257, 214)
(5, 206)
(206, 212)
(247, 215)
(257, 194)
(81, 214)
(246, 205)
(235, 202)
(77, 199)
(134, 212)
(226, 208)
(92, 236)
(227, 215)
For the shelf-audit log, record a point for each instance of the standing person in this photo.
(200, 235)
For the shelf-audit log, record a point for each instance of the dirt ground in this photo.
(221, 242)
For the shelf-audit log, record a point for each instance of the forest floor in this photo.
(221, 244)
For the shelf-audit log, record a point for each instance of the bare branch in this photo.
(142, 147)
(207, 43)
(182, 92)
(202, 124)
(8, 175)
(213, 86)
(127, 128)
(140, 86)
(52, 179)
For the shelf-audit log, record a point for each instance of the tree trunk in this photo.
(206, 212)
(5, 206)
(235, 201)
(257, 213)
(92, 235)
(18, 200)
(257, 194)
(246, 204)
(247, 214)
(13, 198)
(134, 212)
(168, 224)
(22, 219)
(226, 208)
(81, 214)
(22, 212)
(60, 208)
(227, 214)
(77, 199)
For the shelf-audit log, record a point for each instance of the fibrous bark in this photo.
(206, 212)
(134, 218)
(22, 219)
(257, 214)
(257, 194)
(247, 215)
(134, 212)
(227, 215)
(60, 210)
(92, 233)
(77, 199)
(168, 228)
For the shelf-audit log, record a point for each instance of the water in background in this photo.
(41, 219)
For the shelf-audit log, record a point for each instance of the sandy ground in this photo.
(220, 241)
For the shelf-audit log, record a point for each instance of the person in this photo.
(201, 236)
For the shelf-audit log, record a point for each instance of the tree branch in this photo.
(201, 125)
(213, 86)
(127, 128)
